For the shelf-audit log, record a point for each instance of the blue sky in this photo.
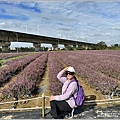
(76, 20)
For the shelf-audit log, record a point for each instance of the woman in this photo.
(64, 102)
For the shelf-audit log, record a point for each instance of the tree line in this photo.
(102, 46)
(99, 46)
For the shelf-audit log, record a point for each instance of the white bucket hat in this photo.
(70, 69)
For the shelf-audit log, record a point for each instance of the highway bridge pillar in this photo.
(55, 46)
(66, 46)
(74, 47)
(37, 47)
(86, 46)
(5, 46)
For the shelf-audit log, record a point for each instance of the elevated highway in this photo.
(6, 37)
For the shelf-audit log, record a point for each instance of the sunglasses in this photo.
(70, 73)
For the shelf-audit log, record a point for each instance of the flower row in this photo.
(26, 81)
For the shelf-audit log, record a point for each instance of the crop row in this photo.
(94, 78)
(8, 70)
(55, 66)
(11, 61)
(107, 64)
(10, 55)
(110, 68)
(104, 52)
(26, 80)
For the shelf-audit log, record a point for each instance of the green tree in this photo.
(69, 47)
(80, 48)
(114, 47)
(101, 45)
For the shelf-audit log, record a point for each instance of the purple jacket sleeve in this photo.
(60, 78)
(69, 92)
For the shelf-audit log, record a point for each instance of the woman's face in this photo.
(70, 75)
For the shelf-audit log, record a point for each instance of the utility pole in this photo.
(38, 29)
(16, 40)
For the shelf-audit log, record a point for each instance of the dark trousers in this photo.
(58, 107)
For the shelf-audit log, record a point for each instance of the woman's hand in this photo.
(51, 97)
(65, 69)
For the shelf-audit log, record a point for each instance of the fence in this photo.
(91, 102)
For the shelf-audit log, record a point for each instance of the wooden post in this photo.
(43, 104)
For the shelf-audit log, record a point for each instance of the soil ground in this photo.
(80, 113)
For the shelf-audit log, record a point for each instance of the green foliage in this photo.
(101, 45)
(114, 47)
(80, 48)
(69, 47)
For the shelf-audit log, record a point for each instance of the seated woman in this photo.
(64, 102)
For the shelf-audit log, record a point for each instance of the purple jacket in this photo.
(67, 92)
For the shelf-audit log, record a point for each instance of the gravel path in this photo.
(85, 112)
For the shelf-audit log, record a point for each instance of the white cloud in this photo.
(3, 24)
(86, 21)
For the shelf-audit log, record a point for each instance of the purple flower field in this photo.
(15, 65)
(100, 69)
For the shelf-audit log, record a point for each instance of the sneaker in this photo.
(68, 117)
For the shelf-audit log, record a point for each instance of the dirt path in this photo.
(43, 86)
(119, 83)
